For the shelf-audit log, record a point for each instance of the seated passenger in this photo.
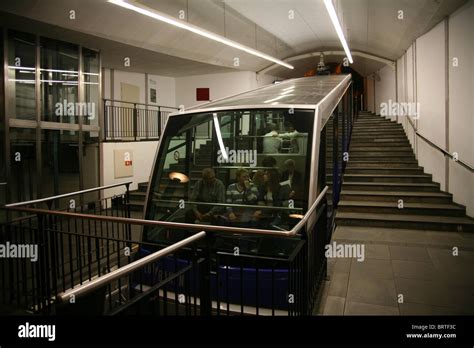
(207, 190)
(271, 141)
(258, 179)
(294, 179)
(242, 192)
(274, 194)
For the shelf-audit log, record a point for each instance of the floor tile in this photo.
(334, 305)
(374, 268)
(338, 284)
(357, 308)
(372, 291)
(409, 253)
(414, 270)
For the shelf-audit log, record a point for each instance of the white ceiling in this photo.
(370, 26)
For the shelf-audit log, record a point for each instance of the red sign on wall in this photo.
(202, 94)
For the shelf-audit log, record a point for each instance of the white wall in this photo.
(461, 104)
(385, 87)
(220, 85)
(422, 79)
(143, 155)
(165, 86)
(431, 93)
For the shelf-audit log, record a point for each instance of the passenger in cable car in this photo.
(209, 189)
(271, 140)
(242, 192)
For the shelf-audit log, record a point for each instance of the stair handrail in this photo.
(105, 279)
(439, 148)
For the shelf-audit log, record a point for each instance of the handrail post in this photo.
(205, 277)
(135, 115)
(159, 121)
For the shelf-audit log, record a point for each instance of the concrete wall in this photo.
(384, 87)
(461, 104)
(445, 94)
(165, 86)
(143, 155)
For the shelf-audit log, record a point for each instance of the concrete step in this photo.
(408, 208)
(363, 136)
(394, 157)
(423, 222)
(137, 195)
(384, 148)
(380, 140)
(394, 196)
(390, 186)
(369, 170)
(393, 178)
(373, 152)
(382, 163)
(143, 186)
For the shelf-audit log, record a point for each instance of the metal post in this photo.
(205, 277)
(135, 115)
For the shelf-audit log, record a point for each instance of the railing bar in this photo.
(120, 272)
(47, 199)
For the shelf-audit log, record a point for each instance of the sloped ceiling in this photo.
(282, 28)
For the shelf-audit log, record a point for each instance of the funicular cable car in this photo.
(254, 161)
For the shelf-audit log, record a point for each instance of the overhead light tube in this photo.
(190, 27)
(337, 26)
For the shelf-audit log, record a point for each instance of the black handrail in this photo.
(439, 148)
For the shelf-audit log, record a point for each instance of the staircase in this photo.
(383, 172)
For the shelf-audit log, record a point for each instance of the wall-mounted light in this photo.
(337, 26)
(195, 29)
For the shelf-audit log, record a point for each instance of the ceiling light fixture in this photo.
(337, 26)
(190, 27)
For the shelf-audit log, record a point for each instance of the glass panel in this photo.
(90, 78)
(60, 163)
(251, 171)
(59, 82)
(23, 181)
(21, 75)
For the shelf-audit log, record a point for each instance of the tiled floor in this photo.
(405, 272)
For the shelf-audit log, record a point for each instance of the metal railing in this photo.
(439, 148)
(99, 258)
(126, 121)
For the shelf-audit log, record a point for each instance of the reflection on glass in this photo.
(59, 81)
(21, 75)
(90, 79)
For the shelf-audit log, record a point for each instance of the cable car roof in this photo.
(306, 92)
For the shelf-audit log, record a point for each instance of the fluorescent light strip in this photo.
(219, 136)
(170, 20)
(337, 26)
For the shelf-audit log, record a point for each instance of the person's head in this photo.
(290, 127)
(272, 127)
(269, 161)
(290, 165)
(208, 176)
(258, 177)
(242, 175)
(272, 179)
